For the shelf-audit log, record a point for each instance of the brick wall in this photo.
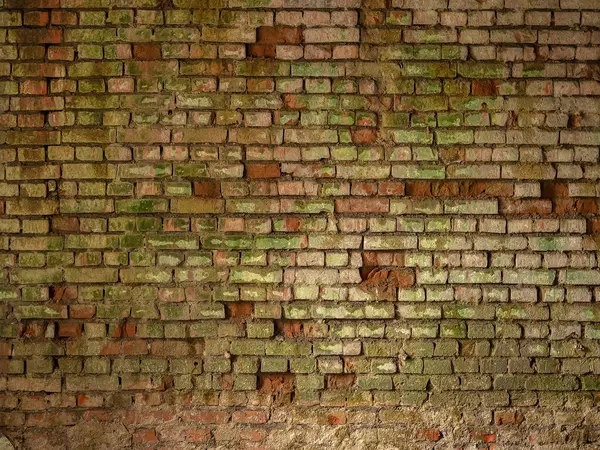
(299, 224)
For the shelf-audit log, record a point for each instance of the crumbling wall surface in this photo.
(299, 224)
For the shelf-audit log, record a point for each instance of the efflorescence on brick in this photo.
(354, 224)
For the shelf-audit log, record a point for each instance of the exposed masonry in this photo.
(299, 224)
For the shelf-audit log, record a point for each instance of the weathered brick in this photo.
(32, 207)
(196, 206)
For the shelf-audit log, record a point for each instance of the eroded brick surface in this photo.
(299, 224)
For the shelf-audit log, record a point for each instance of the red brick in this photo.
(68, 329)
(239, 310)
(432, 434)
(146, 51)
(446, 189)
(278, 35)
(484, 87)
(364, 135)
(82, 311)
(290, 188)
(576, 206)
(210, 189)
(229, 224)
(364, 188)
(31, 120)
(263, 170)
(260, 85)
(59, 17)
(38, 36)
(124, 330)
(394, 188)
(261, 51)
(36, 18)
(418, 189)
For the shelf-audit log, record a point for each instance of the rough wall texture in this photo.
(299, 224)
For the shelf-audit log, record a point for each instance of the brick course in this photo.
(354, 224)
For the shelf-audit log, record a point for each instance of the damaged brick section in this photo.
(383, 283)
